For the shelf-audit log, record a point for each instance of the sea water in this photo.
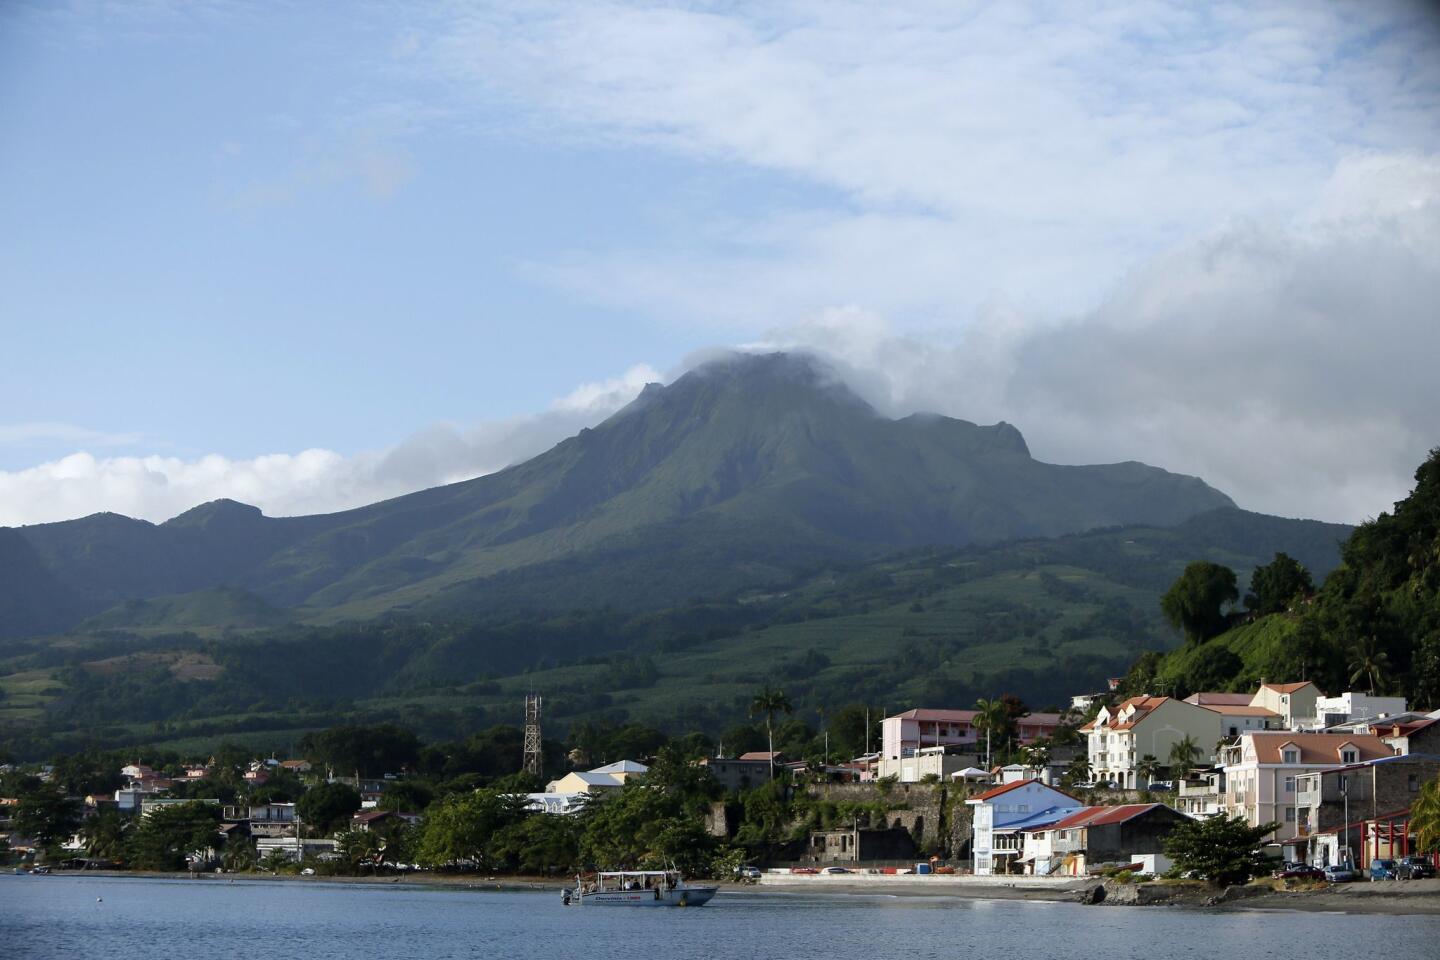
(110, 917)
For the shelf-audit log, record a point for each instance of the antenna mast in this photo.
(533, 763)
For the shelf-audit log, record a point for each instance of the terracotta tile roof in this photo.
(764, 755)
(1317, 747)
(997, 791)
(1287, 687)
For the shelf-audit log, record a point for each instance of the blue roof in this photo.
(1035, 821)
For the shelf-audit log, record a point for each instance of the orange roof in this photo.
(1318, 747)
(1287, 687)
(997, 791)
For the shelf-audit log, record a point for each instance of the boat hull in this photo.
(680, 897)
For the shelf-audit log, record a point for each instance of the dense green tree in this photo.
(1195, 603)
(47, 816)
(458, 830)
(368, 751)
(1275, 585)
(1212, 667)
(328, 806)
(164, 837)
(848, 731)
(407, 796)
(1220, 850)
(540, 843)
(1148, 768)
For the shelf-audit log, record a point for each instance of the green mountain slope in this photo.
(1041, 618)
(741, 472)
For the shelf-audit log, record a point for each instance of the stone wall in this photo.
(934, 814)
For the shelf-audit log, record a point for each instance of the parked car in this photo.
(1161, 786)
(748, 872)
(804, 871)
(1383, 870)
(1339, 873)
(1414, 868)
(836, 870)
(1298, 871)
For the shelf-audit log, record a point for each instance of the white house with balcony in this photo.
(1120, 737)
(1001, 815)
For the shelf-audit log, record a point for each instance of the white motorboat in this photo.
(637, 888)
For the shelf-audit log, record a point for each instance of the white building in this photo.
(1352, 706)
(1001, 816)
(1120, 737)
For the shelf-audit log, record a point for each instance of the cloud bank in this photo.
(313, 481)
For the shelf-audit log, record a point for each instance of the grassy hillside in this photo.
(203, 612)
(1040, 618)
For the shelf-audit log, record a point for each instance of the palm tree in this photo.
(1148, 768)
(1037, 756)
(359, 847)
(104, 835)
(1369, 662)
(1425, 818)
(1182, 757)
(240, 855)
(770, 701)
(991, 716)
(1078, 771)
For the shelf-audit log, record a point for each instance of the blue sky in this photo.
(310, 255)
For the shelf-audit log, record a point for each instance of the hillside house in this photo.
(1119, 738)
(1261, 771)
(1295, 703)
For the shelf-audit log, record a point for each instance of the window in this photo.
(1349, 756)
(1292, 756)
(1414, 783)
(1289, 784)
(1289, 814)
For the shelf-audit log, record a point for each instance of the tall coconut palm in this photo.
(1078, 771)
(1182, 757)
(104, 835)
(770, 701)
(991, 716)
(1369, 662)
(1148, 768)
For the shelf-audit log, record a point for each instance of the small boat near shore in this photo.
(637, 888)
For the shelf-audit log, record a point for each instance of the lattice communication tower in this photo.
(533, 762)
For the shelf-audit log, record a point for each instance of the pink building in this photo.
(904, 733)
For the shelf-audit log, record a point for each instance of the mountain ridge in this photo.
(768, 459)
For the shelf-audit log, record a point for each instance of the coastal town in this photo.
(1333, 787)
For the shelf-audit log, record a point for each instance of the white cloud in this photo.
(312, 481)
(1289, 363)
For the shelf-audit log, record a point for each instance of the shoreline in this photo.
(1416, 897)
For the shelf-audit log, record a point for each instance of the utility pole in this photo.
(533, 763)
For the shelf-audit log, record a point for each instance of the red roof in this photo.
(1220, 699)
(1097, 816)
(997, 791)
(765, 755)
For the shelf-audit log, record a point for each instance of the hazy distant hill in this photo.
(741, 472)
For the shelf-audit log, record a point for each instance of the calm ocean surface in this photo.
(58, 916)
